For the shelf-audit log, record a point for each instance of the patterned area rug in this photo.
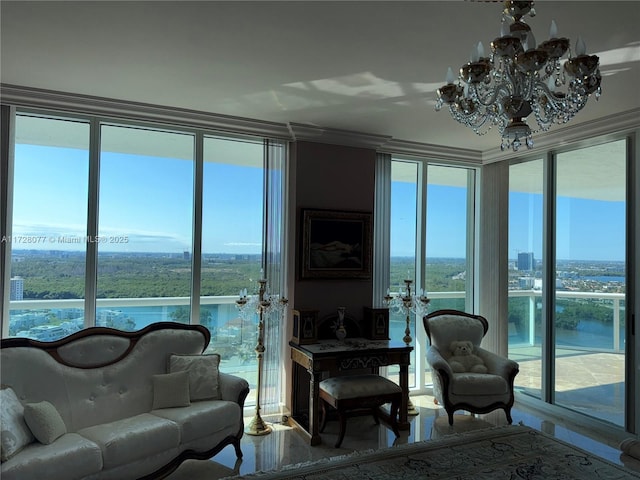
(511, 452)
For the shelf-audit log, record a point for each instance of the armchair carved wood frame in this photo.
(473, 392)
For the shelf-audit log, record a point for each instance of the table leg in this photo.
(314, 407)
(403, 423)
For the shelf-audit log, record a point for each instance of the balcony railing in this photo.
(237, 339)
(616, 300)
(168, 304)
(118, 302)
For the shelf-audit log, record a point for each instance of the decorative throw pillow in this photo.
(171, 390)
(14, 433)
(203, 371)
(44, 421)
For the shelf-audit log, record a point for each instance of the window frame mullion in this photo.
(93, 195)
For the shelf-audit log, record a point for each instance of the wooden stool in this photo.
(358, 394)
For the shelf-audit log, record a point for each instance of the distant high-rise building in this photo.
(526, 283)
(17, 288)
(186, 255)
(526, 261)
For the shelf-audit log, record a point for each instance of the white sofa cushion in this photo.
(55, 459)
(171, 390)
(133, 438)
(203, 418)
(45, 422)
(203, 374)
(14, 433)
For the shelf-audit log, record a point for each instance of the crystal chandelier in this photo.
(520, 78)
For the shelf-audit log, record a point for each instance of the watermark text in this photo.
(62, 239)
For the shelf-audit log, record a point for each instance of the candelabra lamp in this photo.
(408, 303)
(264, 305)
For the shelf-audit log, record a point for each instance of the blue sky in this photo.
(585, 229)
(148, 201)
(446, 220)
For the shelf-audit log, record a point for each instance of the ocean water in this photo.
(143, 316)
(604, 279)
(589, 334)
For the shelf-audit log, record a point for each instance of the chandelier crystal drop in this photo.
(520, 78)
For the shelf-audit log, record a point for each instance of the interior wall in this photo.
(331, 177)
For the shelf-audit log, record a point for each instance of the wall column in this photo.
(7, 147)
(492, 254)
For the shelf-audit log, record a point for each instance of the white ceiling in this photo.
(364, 66)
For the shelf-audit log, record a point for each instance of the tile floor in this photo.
(285, 446)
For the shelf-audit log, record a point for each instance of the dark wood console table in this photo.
(312, 363)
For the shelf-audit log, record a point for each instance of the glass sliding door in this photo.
(526, 183)
(48, 242)
(145, 227)
(591, 281)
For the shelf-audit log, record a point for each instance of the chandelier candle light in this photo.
(264, 305)
(408, 303)
(520, 78)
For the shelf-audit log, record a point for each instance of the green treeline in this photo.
(57, 275)
(443, 274)
(50, 277)
(568, 314)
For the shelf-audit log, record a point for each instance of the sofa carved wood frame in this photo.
(52, 349)
(446, 376)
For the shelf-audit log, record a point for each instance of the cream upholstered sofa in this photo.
(109, 404)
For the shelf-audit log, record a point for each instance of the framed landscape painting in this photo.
(336, 244)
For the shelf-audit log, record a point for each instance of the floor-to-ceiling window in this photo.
(231, 245)
(106, 217)
(526, 183)
(431, 208)
(449, 237)
(405, 220)
(48, 242)
(145, 217)
(570, 336)
(590, 273)
(233, 177)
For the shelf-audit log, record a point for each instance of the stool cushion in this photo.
(356, 386)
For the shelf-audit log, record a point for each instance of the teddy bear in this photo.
(463, 358)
